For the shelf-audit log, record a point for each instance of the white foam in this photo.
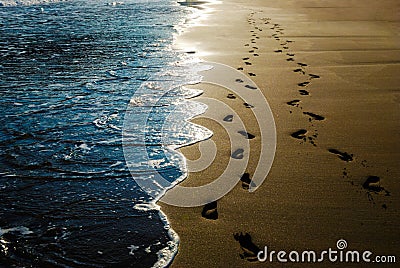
(21, 229)
(26, 2)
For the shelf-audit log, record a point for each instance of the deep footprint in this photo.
(250, 250)
(372, 184)
(300, 134)
(342, 155)
(304, 92)
(299, 71)
(294, 103)
(238, 154)
(252, 74)
(314, 76)
(246, 134)
(210, 211)
(247, 105)
(228, 118)
(239, 80)
(314, 116)
(231, 96)
(245, 179)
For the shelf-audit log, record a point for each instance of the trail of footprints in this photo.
(371, 184)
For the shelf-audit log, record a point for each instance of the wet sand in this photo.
(329, 70)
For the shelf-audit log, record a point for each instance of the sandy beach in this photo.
(329, 70)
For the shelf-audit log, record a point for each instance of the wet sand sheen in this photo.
(329, 71)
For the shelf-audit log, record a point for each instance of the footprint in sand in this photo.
(248, 63)
(246, 45)
(240, 68)
(285, 47)
(245, 179)
(228, 118)
(251, 51)
(238, 154)
(250, 250)
(256, 55)
(300, 134)
(314, 116)
(290, 59)
(290, 54)
(294, 103)
(299, 71)
(342, 155)
(246, 134)
(302, 64)
(231, 96)
(239, 80)
(252, 74)
(304, 92)
(255, 47)
(314, 76)
(372, 184)
(246, 58)
(247, 105)
(278, 51)
(210, 211)
(303, 84)
(250, 87)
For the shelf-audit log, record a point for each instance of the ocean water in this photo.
(69, 71)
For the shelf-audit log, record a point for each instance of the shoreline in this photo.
(328, 174)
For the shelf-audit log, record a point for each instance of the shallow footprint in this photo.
(303, 84)
(210, 211)
(250, 250)
(238, 154)
(228, 118)
(239, 80)
(250, 87)
(342, 155)
(246, 134)
(314, 116)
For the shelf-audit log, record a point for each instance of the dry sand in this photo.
(346, 56)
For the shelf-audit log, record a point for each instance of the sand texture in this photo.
(330, 72)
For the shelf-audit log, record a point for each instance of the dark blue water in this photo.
(68, 72)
